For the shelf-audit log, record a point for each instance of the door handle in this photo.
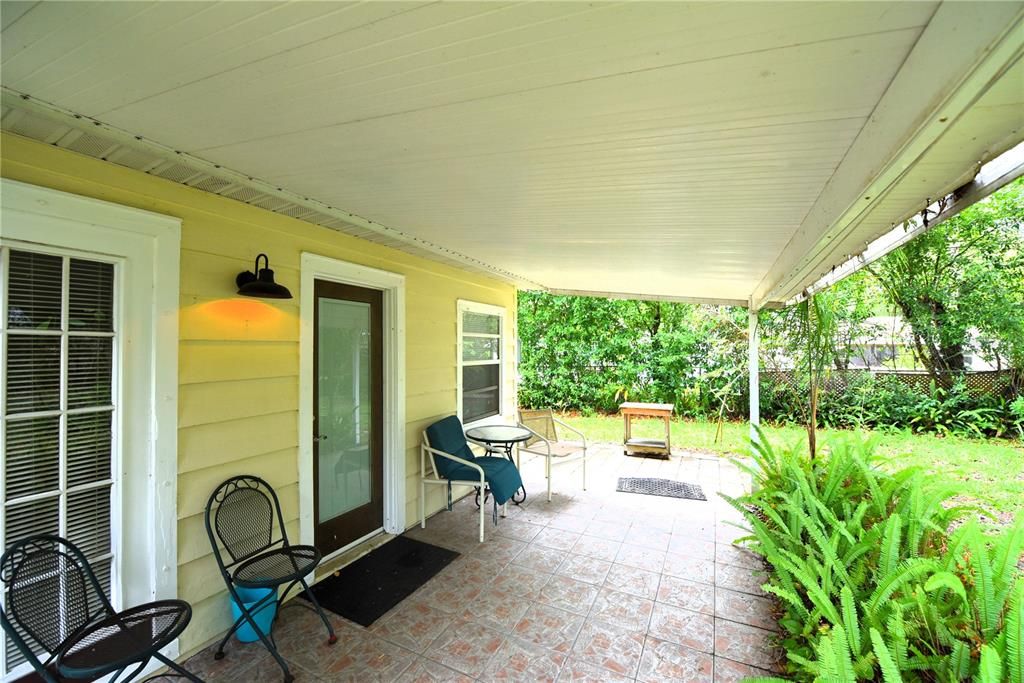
(320, 437)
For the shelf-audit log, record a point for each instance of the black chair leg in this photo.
(269, 644)
(264, 638)
(180, 670)
(219, 654)
(332, 638)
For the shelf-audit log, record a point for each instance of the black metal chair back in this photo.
(240, 516)
(50, 592)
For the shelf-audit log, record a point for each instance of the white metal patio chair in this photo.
(544, 426)
(453, 462)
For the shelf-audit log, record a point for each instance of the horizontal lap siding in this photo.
(239, 358)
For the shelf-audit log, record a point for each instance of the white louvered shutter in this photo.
(58, 342)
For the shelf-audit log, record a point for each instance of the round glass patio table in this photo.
(504, 437)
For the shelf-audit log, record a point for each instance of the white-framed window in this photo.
(481, 335)
(59, 332)
(88, 393)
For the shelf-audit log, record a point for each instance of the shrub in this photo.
(874, 585)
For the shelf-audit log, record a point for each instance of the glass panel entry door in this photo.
(348, 425)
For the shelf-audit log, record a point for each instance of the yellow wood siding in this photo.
(239, 358)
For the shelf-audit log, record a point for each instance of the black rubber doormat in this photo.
(660, 487)
(364, 590)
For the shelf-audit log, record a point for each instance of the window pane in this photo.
(89, 520)
(480, 391)
(480, 348)
(34, 291)
(481, 323)
(33, 373)
(32, 518)
(89, 440)
(32, 456)
(91, 296)
(89, 371)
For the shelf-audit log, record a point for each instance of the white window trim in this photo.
(466, 306)
(317, 267)
(147, 248)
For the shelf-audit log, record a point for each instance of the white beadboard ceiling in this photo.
(722, 151)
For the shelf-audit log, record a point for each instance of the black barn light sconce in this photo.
(259, 282)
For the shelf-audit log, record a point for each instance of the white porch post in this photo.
(753, 344)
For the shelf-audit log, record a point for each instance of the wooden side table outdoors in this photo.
(646, 446)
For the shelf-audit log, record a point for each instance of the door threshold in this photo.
(351, 552)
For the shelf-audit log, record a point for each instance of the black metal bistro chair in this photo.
(240, 523)
(55, 605)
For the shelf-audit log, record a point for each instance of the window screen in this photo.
(57, 412)
(480, 364)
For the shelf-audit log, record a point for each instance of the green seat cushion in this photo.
(500, 474)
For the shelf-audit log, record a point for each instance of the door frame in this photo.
(392, 285)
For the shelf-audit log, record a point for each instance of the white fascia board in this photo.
(962, 51)
(993, 176)
(650, 297)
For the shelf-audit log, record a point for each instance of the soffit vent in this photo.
(40, 121)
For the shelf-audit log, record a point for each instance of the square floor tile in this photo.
(448, 595)
(466, 647)
(501, 550)
(634, 581)
(601, 548)
(568, 594)
(728, 671)
(556, 538)
(519, 660)
(370, 658)
(497, 609)
(583, 568)
(520, 581)
(622, 609)
(424, 670)
(740, 579)
(692, 547)
(642, 534)
(683, 627)
(640, 557)
(550, 627)
(611, 647)
(699, 597)
(664, 661)
(613, 531)
(689, 568)
(571, 523)
(747, 645)
(413, 625)
(518, 529)
(540, 559)
(726, 553)
(746, 609)
(576, 670)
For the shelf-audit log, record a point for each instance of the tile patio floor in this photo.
(594, 586)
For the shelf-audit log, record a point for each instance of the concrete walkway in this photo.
(594, 586)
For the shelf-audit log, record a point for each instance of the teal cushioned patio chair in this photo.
(453, 462)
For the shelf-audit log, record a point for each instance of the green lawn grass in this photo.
(988, 471)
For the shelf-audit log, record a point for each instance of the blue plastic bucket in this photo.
(264, 617)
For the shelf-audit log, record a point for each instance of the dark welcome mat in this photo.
(660, 487)
(379, 580)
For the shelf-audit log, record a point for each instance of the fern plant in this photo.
(873, 585)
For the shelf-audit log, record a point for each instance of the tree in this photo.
(963, 275)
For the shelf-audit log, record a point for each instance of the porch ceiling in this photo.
(717, 151)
